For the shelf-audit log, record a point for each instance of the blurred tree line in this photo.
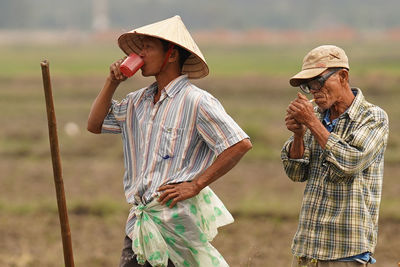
(204, 14)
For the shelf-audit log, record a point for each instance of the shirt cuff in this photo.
(285, 153)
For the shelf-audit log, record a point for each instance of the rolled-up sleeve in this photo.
(296, 169)
(216, 127)
(349, 156)
(116, 117)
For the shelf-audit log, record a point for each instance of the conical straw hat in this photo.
(172, 30)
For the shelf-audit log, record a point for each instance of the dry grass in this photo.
(264, 202)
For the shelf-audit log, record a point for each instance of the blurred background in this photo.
(252, 48)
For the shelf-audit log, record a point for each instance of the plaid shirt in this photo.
(339, 214)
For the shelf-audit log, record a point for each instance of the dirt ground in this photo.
(264, 202)
(259, 236)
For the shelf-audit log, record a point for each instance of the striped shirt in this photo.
(339, 213)
(171, 141)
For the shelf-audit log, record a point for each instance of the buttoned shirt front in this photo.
(171, 141)
(339, 214)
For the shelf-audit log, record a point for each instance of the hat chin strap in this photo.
(170, 48)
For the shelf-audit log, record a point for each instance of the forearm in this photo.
(297, 147)
(224, 163)
(318, 130)
(101, 105)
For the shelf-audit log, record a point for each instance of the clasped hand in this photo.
(298, 114)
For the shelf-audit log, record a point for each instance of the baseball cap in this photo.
(319, 60)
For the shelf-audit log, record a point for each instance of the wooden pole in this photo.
(56, 160)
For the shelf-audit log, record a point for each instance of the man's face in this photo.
(330, 93)
(153, 56)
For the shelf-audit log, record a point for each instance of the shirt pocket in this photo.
(333, 177)
(170, 140)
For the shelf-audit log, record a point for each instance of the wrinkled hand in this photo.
(293, 126)
(177, 192)
(301, 110)
(115, 73)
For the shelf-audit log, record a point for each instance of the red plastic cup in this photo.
(131, 65)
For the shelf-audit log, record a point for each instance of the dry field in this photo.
(264, 202)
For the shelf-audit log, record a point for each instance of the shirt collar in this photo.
(171, 89)
(176, 85)
(357, 106)
(150, 91)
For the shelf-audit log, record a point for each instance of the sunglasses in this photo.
(317, 83)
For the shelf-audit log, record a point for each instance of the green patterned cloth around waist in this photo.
(182, 233)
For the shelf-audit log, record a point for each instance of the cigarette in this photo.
(312, 100)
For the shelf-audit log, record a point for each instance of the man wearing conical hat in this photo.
(337, 149)
(177, 140)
